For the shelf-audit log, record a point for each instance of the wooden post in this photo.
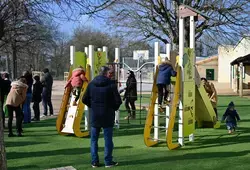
(241, 80)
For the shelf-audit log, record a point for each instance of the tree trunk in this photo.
(3, 162)
(14, 61)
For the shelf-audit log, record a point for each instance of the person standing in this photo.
(212, 93)
(5, 89)
(130, 95)
(15, 99)
(103, 99)
(47, 82)
(26, 106)
(37, 97)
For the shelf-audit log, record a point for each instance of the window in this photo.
(210, 74)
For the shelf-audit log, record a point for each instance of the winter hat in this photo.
(231, 104)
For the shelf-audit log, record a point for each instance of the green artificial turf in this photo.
(42, 148)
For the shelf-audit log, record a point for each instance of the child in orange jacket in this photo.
(76, 81)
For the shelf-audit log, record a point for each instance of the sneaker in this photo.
(160, 108)
(111, 164)
(43, 116)
(95, 165)
(127, 117)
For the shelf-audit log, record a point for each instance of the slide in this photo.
(204, 112)
(70, 117)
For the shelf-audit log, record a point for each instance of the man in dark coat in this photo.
(103, 99)
(164, 79)
(130, 95)
(5, 89)
(47, 82)
(37, 97)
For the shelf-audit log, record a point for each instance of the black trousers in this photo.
(129, 103)
(36, 109)
(162, 93)
(18, 112)
(46, 96)
(77, 92)
(2, 108)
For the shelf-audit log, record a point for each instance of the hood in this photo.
(78, 69)
(77, 72)
(164, 66)
(18, 84)
(101, 81)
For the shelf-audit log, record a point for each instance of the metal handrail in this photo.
(143, 65)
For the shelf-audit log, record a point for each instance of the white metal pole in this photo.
(181, 52)
(117, 59)
(192, 46)
(168, 50)
(86, 50)
(91, 61)
(123, 74)
(241, 80)
(86, 110)
(72, 55)
(105, 49)
(156, 111)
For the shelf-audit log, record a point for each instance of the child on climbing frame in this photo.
(163, 80)
(76, 81)
(230, 116)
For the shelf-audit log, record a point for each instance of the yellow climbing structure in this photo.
(203, 112)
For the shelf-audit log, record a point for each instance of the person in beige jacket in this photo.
(15, 98)
(212, 94)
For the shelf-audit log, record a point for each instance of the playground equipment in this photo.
(70, 117)
(190, 99)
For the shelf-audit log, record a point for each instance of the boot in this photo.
(74, 103)
(133, 115)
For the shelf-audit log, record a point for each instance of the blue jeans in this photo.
(26, 108)
(108, 137)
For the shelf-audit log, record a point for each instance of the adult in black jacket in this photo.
(103, 99)
(5, 89)
(47, 81)
(130, 95)
(37, 97)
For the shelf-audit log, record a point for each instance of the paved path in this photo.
(64, 168)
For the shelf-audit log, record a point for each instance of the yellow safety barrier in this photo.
(176, 99)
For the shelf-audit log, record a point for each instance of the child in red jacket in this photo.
(76, 81)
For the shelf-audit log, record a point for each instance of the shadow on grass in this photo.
(221, 140)
(70, 151)
(23, 167)
(21, 143)
(190, 156)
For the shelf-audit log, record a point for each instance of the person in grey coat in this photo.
(47, 82)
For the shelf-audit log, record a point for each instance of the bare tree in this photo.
(150, 19)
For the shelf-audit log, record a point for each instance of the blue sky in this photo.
(69, 26)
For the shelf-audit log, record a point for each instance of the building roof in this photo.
(207, 60)
(245, 37)
(244, 59)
